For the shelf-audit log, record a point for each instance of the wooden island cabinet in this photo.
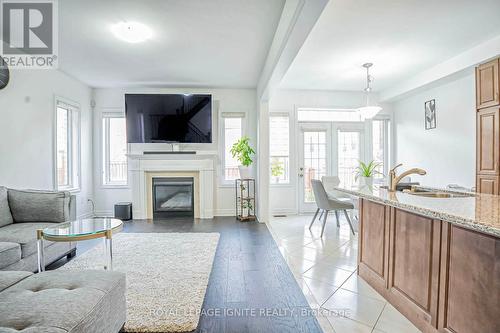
(442, 277)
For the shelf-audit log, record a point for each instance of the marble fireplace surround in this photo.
(143, 168)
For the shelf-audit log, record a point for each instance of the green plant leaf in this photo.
(367, 170)
(242, 151)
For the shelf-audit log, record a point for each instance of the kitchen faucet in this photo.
(394, 181)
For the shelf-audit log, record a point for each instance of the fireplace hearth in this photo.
(173, 197)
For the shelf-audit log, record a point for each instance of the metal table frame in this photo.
(106, 234)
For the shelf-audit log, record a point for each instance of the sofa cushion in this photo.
(39, 206)
(5, 215)
(9, 253)
(25, 235)
(9, 278)
(72, 301)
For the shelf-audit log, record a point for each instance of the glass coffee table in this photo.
(80, 230)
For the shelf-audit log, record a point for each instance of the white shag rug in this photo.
(167, 277)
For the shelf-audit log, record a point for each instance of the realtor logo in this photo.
(29, 34)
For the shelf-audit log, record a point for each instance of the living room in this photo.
(173, 166)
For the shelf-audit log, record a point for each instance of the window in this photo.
(349, 154)
(67, 146)
(114, 149)
(381, 145)
(279, 149)
(232, 132)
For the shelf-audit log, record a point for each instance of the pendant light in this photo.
(368, 111)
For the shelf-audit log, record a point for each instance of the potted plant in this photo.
(366, 171)
(242, 151)
(277, 169)
(247, 208)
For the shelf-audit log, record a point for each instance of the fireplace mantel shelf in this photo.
(172, 155)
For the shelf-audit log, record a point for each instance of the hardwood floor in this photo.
(251, 289)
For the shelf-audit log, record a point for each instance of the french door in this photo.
(327, 149)
(314, 160)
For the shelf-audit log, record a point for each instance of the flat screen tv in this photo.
(172, 118)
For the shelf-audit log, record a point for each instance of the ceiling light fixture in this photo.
(368, 111)
(131, 32)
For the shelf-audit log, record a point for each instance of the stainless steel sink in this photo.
(436, 194)
(430, 194)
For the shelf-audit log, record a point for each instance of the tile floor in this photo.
(325, 269)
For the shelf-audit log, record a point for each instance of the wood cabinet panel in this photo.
(487, 143)
(414, 265)
(470, 282)
(373, 247)
(443, 278)
(487, 184)
(487, 85)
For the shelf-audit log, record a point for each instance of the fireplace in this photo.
(173, 197)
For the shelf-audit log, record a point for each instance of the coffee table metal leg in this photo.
(40, 254)
(109, 249)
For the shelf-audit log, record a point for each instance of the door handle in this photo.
(301, 172)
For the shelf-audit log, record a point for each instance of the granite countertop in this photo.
(479, 212)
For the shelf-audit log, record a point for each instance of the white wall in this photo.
(27, 130)
(284, 198)
(225, 100)
(447, 152)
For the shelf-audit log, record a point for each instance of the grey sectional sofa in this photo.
(21, 214)
(62, 301)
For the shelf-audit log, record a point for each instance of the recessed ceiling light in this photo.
(131, 32)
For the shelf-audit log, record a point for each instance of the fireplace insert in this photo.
(173, 197)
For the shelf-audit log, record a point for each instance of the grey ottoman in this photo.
(62, 301)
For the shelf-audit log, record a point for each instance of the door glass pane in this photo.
(314, 161)
(349, 154)
(62, 147)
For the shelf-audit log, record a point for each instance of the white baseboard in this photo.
(106, 213)
(225, 212)
(283, 212)
(85, 215)
(218, 212)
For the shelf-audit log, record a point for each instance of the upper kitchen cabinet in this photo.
(487, 84)
(488, 141)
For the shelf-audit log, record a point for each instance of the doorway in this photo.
(327, 149)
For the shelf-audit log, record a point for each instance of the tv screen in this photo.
(169, 118)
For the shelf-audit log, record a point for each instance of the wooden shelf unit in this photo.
(245, 199)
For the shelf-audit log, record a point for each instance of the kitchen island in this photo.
(436, 259)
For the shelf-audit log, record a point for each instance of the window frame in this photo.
(289, 182)
(105, 149)
(74, 143)
(222, 144)
(387, 141)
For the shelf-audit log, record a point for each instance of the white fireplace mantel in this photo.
(140, 165)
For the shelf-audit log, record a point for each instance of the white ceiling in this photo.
(216, 43)
(401, 38)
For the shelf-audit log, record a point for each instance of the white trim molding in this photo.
(142, 165)
(74, 144)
